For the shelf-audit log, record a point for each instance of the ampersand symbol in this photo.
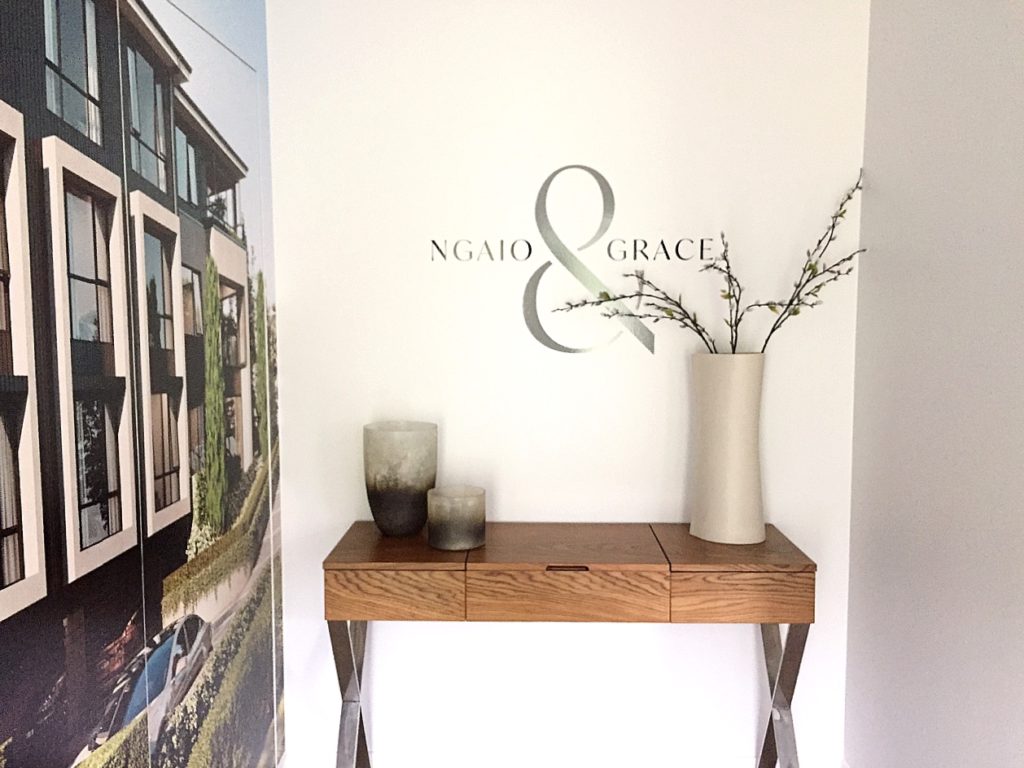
(576, 268)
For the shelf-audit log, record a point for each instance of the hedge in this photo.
(279, 644)
(178, 741)
(235, 729)
(237, 548)
(128, 748)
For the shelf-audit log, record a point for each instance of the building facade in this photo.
(116, 196)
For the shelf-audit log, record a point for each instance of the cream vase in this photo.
(726, 501)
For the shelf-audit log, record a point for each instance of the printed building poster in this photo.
(139, 556)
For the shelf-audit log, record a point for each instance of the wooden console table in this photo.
(572, 572)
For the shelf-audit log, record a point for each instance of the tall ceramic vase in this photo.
(727, 504)
(400, 463)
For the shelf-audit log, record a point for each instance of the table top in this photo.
(599, 546)
(364, 547)
(569, 572)
(688, 553)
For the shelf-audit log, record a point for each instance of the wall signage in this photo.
(619, 250)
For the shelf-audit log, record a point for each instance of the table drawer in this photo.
(747, 598)
(368, 595)
(567, 595)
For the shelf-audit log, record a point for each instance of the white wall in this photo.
(936, 674)
(394, 123)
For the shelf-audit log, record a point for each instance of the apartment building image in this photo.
(122, 248)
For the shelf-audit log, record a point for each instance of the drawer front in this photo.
(395, 595)
(567, 596)
(748, 598)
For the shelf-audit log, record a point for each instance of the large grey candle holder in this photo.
(400, 463)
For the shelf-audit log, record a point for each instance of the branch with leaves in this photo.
(657, 305)
(732, 293)
(652, 303)
(817, 272)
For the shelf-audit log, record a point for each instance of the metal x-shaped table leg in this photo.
(779, 745)
(348, 639)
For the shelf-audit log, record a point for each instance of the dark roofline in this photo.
(146, 23)
(204, 124)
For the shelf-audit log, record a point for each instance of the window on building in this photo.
(72, 64)
(165, 450)
(148, 134)
(12, 555)
(6, 350)
(229, 316)
(185, 168)
(99, 506)
(192, 295)
(158, 292)
(88, 268)
(196, 438)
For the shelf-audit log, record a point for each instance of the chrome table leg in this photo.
(783, 666)
(348, 639)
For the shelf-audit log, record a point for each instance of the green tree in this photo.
(272, 369)
(213, 401)
(260, 369)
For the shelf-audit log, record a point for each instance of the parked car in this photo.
(155, 681)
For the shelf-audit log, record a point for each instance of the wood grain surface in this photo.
(364, 547)
(570, 572)
(370, 595)
(744, 597)
(688, 553)
(600, 546)
(521, 595)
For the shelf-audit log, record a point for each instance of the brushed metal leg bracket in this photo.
(348, 640)
(783, 667)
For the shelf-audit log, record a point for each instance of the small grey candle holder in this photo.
(455, 517)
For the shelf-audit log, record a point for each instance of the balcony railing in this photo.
(236, 231)
(222, 212)
(161, 363)
(6, 354)
(92, 358)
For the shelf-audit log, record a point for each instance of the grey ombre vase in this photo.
(400, 462)
(727, 504)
